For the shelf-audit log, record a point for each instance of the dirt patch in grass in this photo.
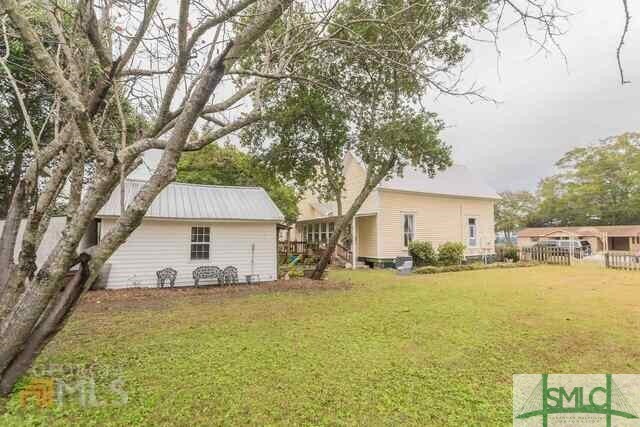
(154, 298)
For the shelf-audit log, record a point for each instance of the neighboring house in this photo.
(600, 237)
(454, 206)
(187, 226)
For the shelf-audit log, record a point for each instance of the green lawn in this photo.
(387, 350)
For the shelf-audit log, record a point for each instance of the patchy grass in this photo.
(385, 350)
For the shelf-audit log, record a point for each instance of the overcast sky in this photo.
(546, 108)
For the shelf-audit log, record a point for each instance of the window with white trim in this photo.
(408, 229)
(472, 228)
(200, 242)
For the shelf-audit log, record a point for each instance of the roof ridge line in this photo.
(255, 187)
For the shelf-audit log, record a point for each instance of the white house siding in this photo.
(439, 219)
(49, 240)
(157, 244)
(355, 177)
(367, 236)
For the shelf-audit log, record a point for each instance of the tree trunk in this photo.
(9, 236)
(46, 301)
(52, 322)
(13, 180)
(370, 184)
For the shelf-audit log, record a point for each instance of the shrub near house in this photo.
(507, 252)
(422, 253)
(449, 253)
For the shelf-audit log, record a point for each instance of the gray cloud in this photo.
(547, 107)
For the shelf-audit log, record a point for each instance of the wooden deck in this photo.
(296, 248)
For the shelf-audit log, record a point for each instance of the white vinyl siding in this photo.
(366, 236)
(49, 240)
(355, 176)
(157, 244)
(439, 219)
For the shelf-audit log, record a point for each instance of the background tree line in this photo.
(594, 185)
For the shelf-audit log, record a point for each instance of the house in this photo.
(454, 206)
(600, 237)
(190, 225)
(186, 226)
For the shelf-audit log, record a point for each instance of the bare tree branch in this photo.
(627, 19)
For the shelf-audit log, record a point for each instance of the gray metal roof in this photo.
(204, 202)
(454, 181)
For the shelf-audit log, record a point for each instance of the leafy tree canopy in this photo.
(226, 165)
(373, 106)
(38, 98)
(310, 132)
(514, 210)
(596, 185)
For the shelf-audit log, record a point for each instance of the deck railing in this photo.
(293, 247)
(344, 253)
(312, 248)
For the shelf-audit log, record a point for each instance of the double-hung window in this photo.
(409, 229)
(473, 231)
(200, 243)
